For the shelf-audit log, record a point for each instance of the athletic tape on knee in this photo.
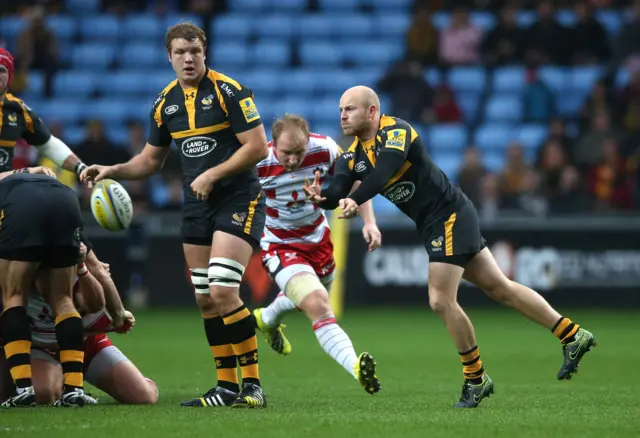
(225, 272)
(200, 280)
(302, 285)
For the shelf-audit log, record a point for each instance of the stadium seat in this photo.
(95, 56)
(447, 137)
(391, 23)
(384, 4)
(271, 53)
(339, 80)
(503, 108)
(74, 135)
(148, 55)
(570, 103)
(493, 136)
(320, 54)
(467, 79)
(532, 136)
(11, 26)
(373, 53)
(117, 133)
(81, 83)
(297, 105)
(313, 26)
(175, 18)
(288, 5)
(225, 53)
(107, 110)
(610, 20)
(432, 76)
(582, 79)
(124, 83)
(64, 27)
(353, 25)
(622, 78)
(483, 20)
(305, 81)
(338, 5)
(448, 162)
(566, 18)
(509, 80)
(142, 26)
(324, 110)
(35, 85)
(248, 6)
(231, 27)
(276, 26)
(526, 18)
(81, 7)
(469, 103)
(494, 161)
(65, 111)
(100, 27)
(383, 207)
(264, 83)
(332, 130)
(554, 77)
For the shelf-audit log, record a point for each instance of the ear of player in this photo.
(111, 205)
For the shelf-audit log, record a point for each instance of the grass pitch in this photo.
(311, 396)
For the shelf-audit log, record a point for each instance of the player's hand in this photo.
(372, 236)
(314, 190)
(107, 268)
(128, 324)
(42, 170)
(96, 173)
(349, 208)
(83, 252)
(203, 185)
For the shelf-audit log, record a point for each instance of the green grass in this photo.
(311, 396)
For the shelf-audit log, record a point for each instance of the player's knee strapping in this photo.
(70, 336)
(225, 272)
(200, 280)
(300, 286)
(241, 328)
(14, 325)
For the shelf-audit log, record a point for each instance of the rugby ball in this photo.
(111, 205)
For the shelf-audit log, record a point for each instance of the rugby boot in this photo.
(252, 396)
(214, 398)
(75, 399)
(274, 335)
(472, 394)
(25, 399)
(573, 351)
(365, 369)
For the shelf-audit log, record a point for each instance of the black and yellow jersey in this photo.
(18, 121)
(395, 164)
(203, 122)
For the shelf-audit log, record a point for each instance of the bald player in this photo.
(389, 158)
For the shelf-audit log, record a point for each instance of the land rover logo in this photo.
(4, 157)
(400, 192)
(198, 146)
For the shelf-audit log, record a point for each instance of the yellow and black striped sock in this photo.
(14, 324)
(242, 333)
(565, 330)
(69, 332)
(472, 365)
(226, 364)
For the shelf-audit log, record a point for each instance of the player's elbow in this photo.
(261, 149)
(94, 301)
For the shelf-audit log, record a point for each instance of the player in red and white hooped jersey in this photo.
(296, 244)
(106, 367)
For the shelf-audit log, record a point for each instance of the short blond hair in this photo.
(289, 121)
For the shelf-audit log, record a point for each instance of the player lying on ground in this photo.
(40, 231)
(296, 245)
(389, 158)
(106, 367)
(215, 123)
(23, 122)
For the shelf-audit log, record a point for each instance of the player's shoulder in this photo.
(319, 141)
(225, 83)
(162, 96)
(396, 130)
(270, 159)
(350, 153)
(389, 123)
(15, 101)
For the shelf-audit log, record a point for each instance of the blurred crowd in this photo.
(589, 162)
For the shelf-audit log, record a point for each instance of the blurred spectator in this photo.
(512, 177)
(599, 101)
(589, 150)
(460, 42)
(422, 38)
(505, 43)
(627, 46)
(138, 190)
(97, 149)
(546, 38)
(445, 108)
(589, 39)
(538, 101)
(410, 93)
(489, 199)
(629, 100)
(553, 160)
(610, 180)
(558, 133)
(38, 49)
(570, 196)
(471, 174)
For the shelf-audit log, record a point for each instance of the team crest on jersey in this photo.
(396, 139)
(436, 244)
(13, 119)
(249, 110)
(238, 218)
(207, 102)
(361, 167)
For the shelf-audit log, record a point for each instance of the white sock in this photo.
(273, 313)
(336, 342)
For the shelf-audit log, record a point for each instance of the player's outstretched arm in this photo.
(90, 295)
(370, 230)
(58, 152)
(113, 303)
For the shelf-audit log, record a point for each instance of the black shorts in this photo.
(454, 236)
(240, 213)
(41, 223)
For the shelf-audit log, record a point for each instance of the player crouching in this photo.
(296, 245)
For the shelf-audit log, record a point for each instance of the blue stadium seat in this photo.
(107, 110)
(100, 27)
(289, 5)
(622, 78)
(248, 5)
(324, 110)
(448, 162)
(367, 75)
(467, 79)
(509, 80)
(339, 80)
(297, 105)
(338, 5)
(117, 133)
(63, 26)
(493, 136)
(158, 80)
(391, 24)
(147, 55)
(282, 26)
(264, 82)
(304, 81)
(571, 103)
(93, 56)
(74, 135)
(175, 18)
(81, 7)
(447, 137)
(494, 161)
(611, 20)
(554, 77)
(374, 52)
(139, 110)
(320, 54)
(124, 83)
(484, 20)
(35, 85)
(81, 83)
(225, 53)
(142, 26)
(441, 20)
(332, 130)
(526, 18)
(384, 207)
(65, 111)
(313, 26)
(353, 25)
(566, 18)
(503, 108)
(582, 79)
(231, 26)
(384, 4)
(272, 53)
(532, 136)
(469, 103)
(432, 76)
(11, 26)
